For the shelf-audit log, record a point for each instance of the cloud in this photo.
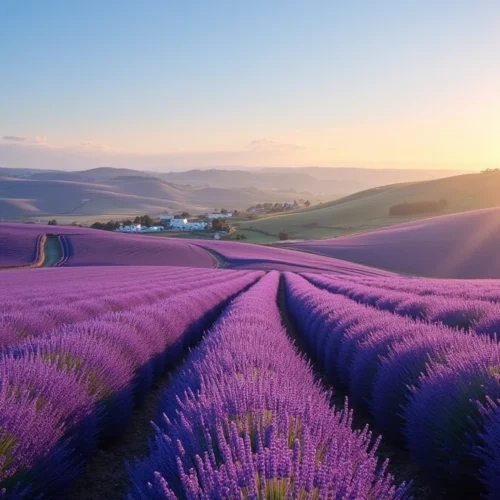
(14, 138)
(267, 145)
(39, 139)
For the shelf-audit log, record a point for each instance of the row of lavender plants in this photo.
(61, 393)
(244, 418)
(18, 247)
(431, 387)
(465, 289)
(85, 288)
(76, 281)
(249, 256)
(22, 320)
(481, 316)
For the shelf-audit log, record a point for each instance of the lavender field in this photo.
(283, 375)
(463, 245)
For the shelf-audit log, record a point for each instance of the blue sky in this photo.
(198, 83)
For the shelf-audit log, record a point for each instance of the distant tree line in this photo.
(143, 220)
(418, 207)
(106, 226)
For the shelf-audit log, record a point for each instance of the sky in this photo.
(173, 84)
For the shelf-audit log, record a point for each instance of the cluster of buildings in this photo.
(137, 228)
(170, 222)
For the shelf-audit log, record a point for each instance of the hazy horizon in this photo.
(169, 86)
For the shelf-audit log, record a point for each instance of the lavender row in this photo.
(17, 246)
(249, 256)
(480, 316)
(488, 290)
(99, 248)
(244, 418)
(100, 289)
(91, 247)
(62, 393)
(18, 326)
(428, 386)
(77, 280)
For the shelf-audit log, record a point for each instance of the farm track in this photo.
(222, 263)
(401, 466)
(53, 252)
(106, 475)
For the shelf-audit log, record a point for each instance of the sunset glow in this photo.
(254, 84)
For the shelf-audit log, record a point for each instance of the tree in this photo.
(284, 236)
(307, 203)
(219, 225)
(147, 221)
(185, 215)
(223, 211)
(52, 222)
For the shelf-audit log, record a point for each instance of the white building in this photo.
(219, 216)
(134, 228)
(166, 217)
(137, 228)
(184, 225)
(178, 222)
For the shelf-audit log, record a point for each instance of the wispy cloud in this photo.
(39, 139)
(14, 138)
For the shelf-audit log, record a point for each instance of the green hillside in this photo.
(370, 209)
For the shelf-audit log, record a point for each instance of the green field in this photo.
(370, 209)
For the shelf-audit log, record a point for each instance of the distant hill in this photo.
(114, 193)
(463, 245)
(334, 182)
(370, 209)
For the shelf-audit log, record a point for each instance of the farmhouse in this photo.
(184, 225)
(219, 216)
(137, 228)
(134, 228)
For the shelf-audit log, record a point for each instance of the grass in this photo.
(370, 209)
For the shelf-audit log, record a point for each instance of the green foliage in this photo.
(418, 207)
(283, 235)
(106, 226)
(52, 222)
(220, 225)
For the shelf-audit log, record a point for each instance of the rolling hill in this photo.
(370, 209)
(114, 192)
(462, 245)
(334, 181)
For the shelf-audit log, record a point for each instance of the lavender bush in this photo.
(245, 419)
(78, 383)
